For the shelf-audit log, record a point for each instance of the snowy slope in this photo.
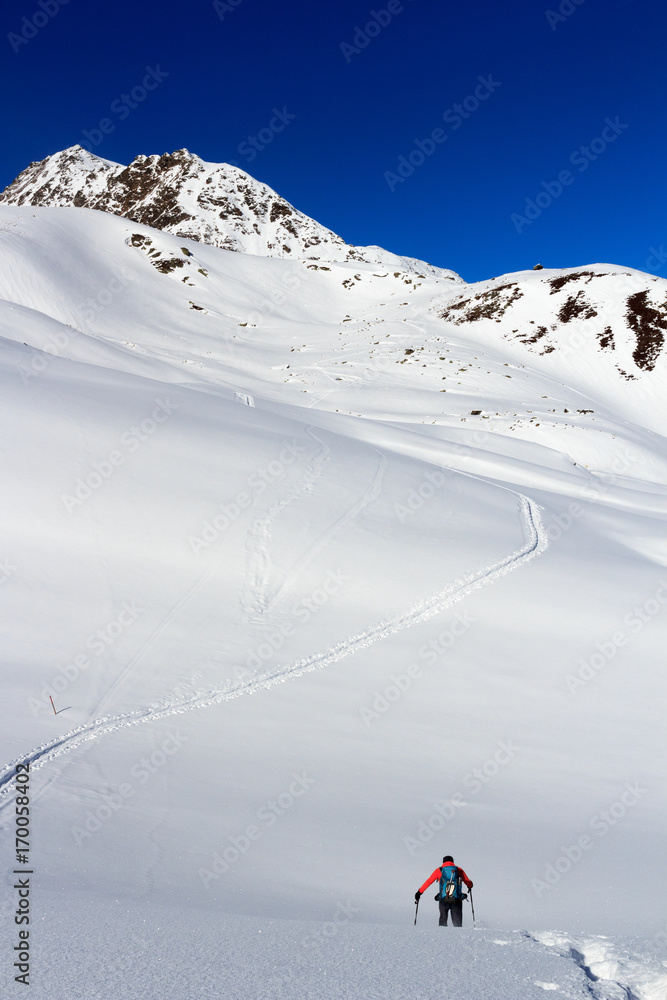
(179, 193)
(227, 474)
(344, 337)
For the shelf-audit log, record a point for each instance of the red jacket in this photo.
(438, 872)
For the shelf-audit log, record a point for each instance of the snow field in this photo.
(450, 632)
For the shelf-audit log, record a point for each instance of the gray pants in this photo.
(456, 910)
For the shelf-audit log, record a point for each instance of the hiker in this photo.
(450, 897)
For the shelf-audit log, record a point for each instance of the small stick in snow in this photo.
(53, 706)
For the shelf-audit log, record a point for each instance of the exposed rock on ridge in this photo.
(179, 193)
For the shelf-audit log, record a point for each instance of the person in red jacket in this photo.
(447, 871)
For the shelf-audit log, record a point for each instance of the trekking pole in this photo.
(416, 912)
(472, 905)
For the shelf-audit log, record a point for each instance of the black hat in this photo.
(448, 857)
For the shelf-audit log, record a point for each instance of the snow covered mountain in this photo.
(420, 523)
(177, 192)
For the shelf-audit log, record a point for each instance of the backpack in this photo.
(450, 884)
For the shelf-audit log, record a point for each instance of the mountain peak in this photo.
(182, 194)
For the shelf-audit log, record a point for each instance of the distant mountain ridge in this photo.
(581, 314)
(212, 203)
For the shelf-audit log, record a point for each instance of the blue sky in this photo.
(555, 153)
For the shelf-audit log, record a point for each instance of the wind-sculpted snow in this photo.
(535, 543)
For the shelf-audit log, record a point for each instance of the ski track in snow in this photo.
(304, 486)
(257, 597)
(171, 614)
(368, 497)
(537, 542)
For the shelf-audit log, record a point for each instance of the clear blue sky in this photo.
(554, 80)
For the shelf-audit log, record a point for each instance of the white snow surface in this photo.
(216, 955)
(229, 474)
